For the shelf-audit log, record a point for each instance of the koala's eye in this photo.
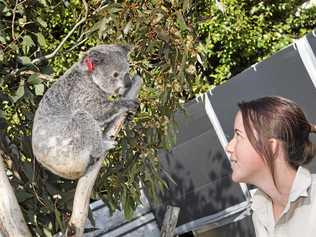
(115, 74)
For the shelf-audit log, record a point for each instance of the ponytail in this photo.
(310, 148)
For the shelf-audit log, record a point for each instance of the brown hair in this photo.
(280, 118)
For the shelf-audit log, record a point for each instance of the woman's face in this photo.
(247, 165)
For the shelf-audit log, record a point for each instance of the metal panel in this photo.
(200, 173)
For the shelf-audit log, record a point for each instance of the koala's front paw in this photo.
(131, 105)
(108, 144)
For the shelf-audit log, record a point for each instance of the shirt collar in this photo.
(300, 186)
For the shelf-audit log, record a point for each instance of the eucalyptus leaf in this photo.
(181, 21)
(3, 123)
(1, 55)
(41, 21)
(27, 43)
(127, 27)
(34, 79)
(47, 232)
(58, 218)
(22, 195)
(19, 92)
(39, 89)
(41, 39)
(24, 60)
(2, 40)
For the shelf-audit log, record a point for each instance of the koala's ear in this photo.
(88, 63)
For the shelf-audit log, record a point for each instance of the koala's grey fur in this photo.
(68, 126)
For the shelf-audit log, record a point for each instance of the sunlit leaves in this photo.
(27, 43)
(19, 92)
(248, 32)
(41, 39)
(24, 60)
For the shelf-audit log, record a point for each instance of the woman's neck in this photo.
(278, 188)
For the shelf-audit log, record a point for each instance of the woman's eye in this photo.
(237, 135)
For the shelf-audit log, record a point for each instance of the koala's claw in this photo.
(130, 105)
(109, 144)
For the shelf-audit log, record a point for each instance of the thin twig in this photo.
(13, 19)
(76, 45)
(99, 8)
(41, 76)
(38, 60)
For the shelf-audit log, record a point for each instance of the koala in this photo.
(69, 128)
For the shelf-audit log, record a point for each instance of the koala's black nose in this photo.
(127, 80)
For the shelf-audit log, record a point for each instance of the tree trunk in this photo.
(12, 223)
(170, 221)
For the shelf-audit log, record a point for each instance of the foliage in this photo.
(162, 53)
(247, 32)
(177, 47)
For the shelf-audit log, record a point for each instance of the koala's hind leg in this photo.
(87, 139)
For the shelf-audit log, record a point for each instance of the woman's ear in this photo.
(275, 146)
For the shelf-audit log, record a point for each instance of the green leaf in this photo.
(1, 55)
(24, 60)
(19, 92)
(41, 39)
(22, 195)
(127, 27)
(3, 123)
(186, 5)
(2, 40)
(58, 218)
(28, 170)
(47, 232)
(39, 89)
(26, 147)
(34, 80)
(27, 43)
(181, 21)
(41, 22)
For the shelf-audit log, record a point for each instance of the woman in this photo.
(270, 145)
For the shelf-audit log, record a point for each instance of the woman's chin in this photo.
(236, 178)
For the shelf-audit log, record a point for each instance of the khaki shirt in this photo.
(298, 219)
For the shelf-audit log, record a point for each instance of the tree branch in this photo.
(13, 20)
(13, 17)
(170, 221)
(12, 223)
(41, 76)
(38, 60)
(86, 182)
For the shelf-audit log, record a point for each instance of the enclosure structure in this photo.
(198, 167)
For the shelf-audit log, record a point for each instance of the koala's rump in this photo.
(65, 144)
